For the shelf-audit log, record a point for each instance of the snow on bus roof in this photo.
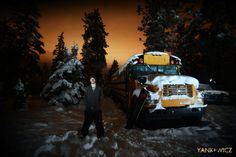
(157, 53)
(132, 59)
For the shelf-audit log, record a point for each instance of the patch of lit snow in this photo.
(40, 124)
(89, 145)
(55, 138)
(44, 148)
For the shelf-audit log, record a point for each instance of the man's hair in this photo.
(92, 78)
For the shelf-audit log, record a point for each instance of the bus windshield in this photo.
(139, 70)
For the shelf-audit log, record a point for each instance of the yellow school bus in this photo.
(150, 87)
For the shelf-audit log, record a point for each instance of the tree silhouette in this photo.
(189, 44)
(159, 25)
(113, 69)
(207, 42)
(93, 50)
(171, 26)
(219, 41)
(59, 52)
(22, 45)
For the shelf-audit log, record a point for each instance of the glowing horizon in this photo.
(121, 24)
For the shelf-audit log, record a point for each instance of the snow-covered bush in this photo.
(20, 95)
(64, 86)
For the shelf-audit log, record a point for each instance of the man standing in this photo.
(93, 99)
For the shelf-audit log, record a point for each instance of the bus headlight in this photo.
(152, 88)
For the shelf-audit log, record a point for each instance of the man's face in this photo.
(92, 80)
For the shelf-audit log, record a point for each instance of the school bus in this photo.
(151, 87)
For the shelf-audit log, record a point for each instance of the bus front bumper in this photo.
(172, 113)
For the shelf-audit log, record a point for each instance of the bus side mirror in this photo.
(142, 80)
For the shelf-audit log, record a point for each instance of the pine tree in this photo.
(74, 51)
(170, 26)
(93, 51)
(159, 25)
(219, 41)
(113, 69)
(64, 86)
(22, 43)
(206, 42)
(189, 44)
(59, 52)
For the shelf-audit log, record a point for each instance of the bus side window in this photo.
(130, 73)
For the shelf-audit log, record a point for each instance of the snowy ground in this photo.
(52, 131)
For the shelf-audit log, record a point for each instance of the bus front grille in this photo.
(177, 89)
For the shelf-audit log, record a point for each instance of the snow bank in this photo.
(40, 124)
(115, 146)
(44, 148)
(55, 138)
(59, 109)
(88, 146)
(92, 127)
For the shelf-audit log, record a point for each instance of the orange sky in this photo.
(121, 22)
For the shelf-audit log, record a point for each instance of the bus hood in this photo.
(173, 79)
